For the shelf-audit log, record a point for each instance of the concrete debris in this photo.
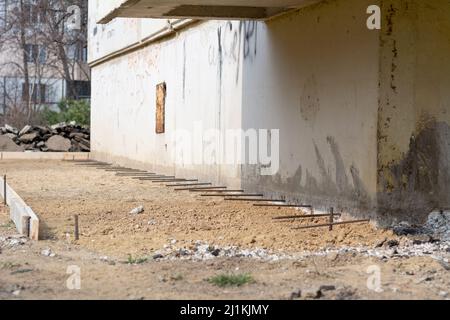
(48, 253)
(201, 251)
(12, 241)
(58, 144)
(7, 144)
(137, 210)
(438, 225)
(61, 137)
(437, 228)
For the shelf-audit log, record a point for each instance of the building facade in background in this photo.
(43, 56)
(363, 113)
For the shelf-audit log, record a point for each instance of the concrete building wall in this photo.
(414, 114)
(314, 75)
(202, 87)
(363, 114)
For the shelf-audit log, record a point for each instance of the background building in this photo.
(43, 56)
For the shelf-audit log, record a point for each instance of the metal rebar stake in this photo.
(4, 190)
(77, 231)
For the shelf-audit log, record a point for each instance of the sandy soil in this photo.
(58, 190)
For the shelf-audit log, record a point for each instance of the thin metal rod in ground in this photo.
(173, 180)
(221, 191)
(77, 230)
(93, 164)
(154, 178)
(334, 224)
(135, 174)
(232, 195)
(151, 178)
(256, 200)
(188, 184)
(4, 190)
(282, 205)
(124, 170)
(202, 189)
(306, 216)
(196, 189)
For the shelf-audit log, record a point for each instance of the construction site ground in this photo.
(119, 253)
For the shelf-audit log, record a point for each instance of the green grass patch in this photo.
(231, 280)
(132, 260)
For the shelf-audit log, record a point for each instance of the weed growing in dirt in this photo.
(132, 260)
(7, 225)
(177, 277)
(231, 280)
(9, 265)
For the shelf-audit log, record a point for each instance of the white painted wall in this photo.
(199, 88)
(311, 74)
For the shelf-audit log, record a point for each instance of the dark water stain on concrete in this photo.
(412, 187)
(322, 191)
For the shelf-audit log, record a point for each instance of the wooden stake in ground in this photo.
(77, 231)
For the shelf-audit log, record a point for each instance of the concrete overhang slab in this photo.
(199, 9)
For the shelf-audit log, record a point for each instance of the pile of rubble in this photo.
(62, 137)
(437, 227)
(201, 251)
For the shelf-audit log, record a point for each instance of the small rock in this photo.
(16, 293)
(157, 256)
(327, 288)
(380, 243)
(173, 242)
(25, 130)
(48, 253)
(11, 129)
(215, 252)
(137, 210)
(444, 265)
(296, 295)
(28, 138)
(420, 238)
(58, 144)
(443, 294)
(312, 294)
(392, 243)
(333, 256)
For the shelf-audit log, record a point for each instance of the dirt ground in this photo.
(109, 234)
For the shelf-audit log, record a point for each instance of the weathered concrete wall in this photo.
(363, 114)
(314, 75)
(203, 85)
(414, 113)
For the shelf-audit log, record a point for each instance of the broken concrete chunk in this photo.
(58, 144)
(137, 210)
(11, 129)
(11, 135)
(7, 145)
(28, 138)
(25, 130)
(59, 126)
